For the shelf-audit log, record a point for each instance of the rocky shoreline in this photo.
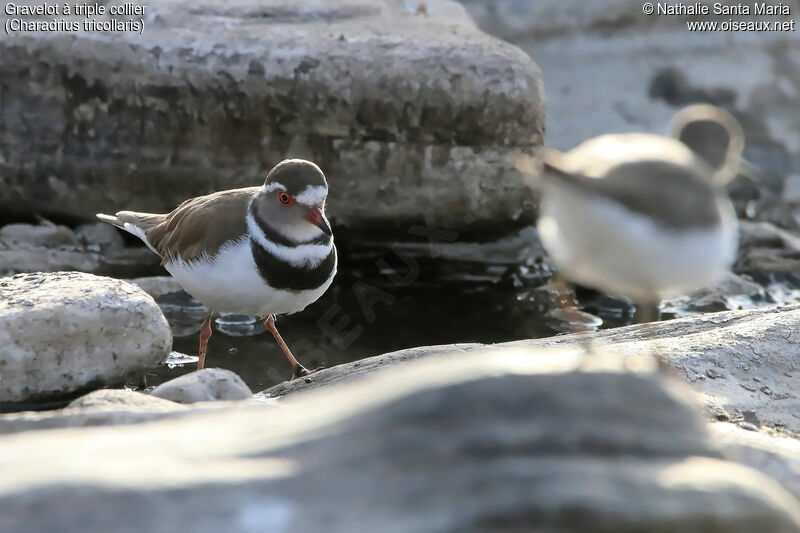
(739, 368)
(421, 118)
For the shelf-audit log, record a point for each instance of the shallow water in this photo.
(337, 330)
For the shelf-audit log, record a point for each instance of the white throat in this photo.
(300, 255)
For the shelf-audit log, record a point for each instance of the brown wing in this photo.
(201, 225)
(673, 194)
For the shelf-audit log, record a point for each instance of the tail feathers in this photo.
(554, 161)
(545, 163)
(108, 219)
(552, 165)
(134, 223)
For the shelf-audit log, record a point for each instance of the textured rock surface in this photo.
(737, 361)
(610, 68)
(774, 455)
(207, 385)
(415, 118)
(66, 331)
(493, 441)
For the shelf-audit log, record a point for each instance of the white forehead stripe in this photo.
(312, 195)
(274, 186)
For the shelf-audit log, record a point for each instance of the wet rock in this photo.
(729, 293)
(766, 249)
(65, 332)
(736, 361)
(416, 117)
(763, 234)
(209, 384)
(775, 455)
(493, 441)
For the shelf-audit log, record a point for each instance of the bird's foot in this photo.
(300, 372)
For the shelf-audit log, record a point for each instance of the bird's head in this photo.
(292, 200)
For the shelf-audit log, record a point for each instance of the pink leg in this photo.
(205, 334)
(298, 370)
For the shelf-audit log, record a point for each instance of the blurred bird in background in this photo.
(645, 216)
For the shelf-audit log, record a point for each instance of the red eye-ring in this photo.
(285, 198)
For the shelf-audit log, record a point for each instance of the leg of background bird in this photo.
(569, 308)
(205, 334)
(298, 370)
(650, 312)
(647, 312)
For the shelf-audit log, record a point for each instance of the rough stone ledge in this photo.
(736, 361)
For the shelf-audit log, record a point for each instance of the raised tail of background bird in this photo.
(545, 163)
(134, 223)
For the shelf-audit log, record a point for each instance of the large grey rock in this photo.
(736, 361)
(493, 441)
(206, 385)
(610, 68)
(415, 118)
(67, 331)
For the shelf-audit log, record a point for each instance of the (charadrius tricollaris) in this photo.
(641, 215)
(259, 251)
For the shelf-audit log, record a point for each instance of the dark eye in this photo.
(285, 198)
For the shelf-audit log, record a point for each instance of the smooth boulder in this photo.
(64, 332)
(206, 385)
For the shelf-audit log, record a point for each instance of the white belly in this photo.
(598, 243)
(230, 283)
